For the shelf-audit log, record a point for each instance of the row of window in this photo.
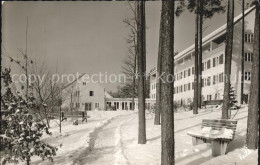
(248, 56)
(184, 88)
(215, 61)
(249, 38)
(153, 86)
(205, 65)
(184, 74)
(205, 82)
(153, 96)
(88, 106)
(91, 93)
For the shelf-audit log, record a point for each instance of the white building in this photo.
(87, 96)
(213, 64)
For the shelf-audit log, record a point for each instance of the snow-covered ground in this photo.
(185, 152)
(75, 139)
(110, 137)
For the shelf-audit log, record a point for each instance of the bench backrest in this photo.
(219, 124)
(212, 102)
(73, 114)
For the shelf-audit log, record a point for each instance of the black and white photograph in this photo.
(164, 82)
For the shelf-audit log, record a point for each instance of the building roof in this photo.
(218, 32)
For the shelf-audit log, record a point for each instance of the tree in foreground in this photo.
(253, 106)
(242, 52)
(228, 59)
(141, 53)
(158, 81)
(167, 116)
(21, 132)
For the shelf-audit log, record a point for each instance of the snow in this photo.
(185, 152)
(74, 139)
(111, 137)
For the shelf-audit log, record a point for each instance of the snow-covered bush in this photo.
(20, 131)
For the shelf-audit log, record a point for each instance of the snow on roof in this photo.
(107, 95)
(214, 34)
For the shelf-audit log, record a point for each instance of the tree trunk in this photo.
(134, 86)
(167, 116)
(253, 107)
(196, 61)
(228, 59)
(141, 71)
(200, 53)
(243, 52)
(158, 81)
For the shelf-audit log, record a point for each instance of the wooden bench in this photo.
(217, 132)
(76, 114)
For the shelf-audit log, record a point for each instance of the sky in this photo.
(87, 36)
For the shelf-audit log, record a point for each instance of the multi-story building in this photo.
(86, 96)
(213, 58)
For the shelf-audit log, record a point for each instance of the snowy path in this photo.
(106, 145)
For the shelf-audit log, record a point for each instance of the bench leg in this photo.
(218, 148)
(196, 141)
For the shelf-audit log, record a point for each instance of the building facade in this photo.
(88, 96)
(213, 58)
(85, 96)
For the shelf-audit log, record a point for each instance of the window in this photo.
(208, 81)
(189, 72)
(84, 83)
(208, 64)
(221, 77)
(77, 105)
(193, 70)
(91, 93)
(248, 76)
(185, 73)
(214, 62)
(77, 93)
(181, 88)
(181, 75)
(209, 97)
(248, 56)
(189, 86)
(87, 106)
(215, 79)
(249, 38)
(96, 105)
(221, 59)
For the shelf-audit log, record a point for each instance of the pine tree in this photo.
(167, 52)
